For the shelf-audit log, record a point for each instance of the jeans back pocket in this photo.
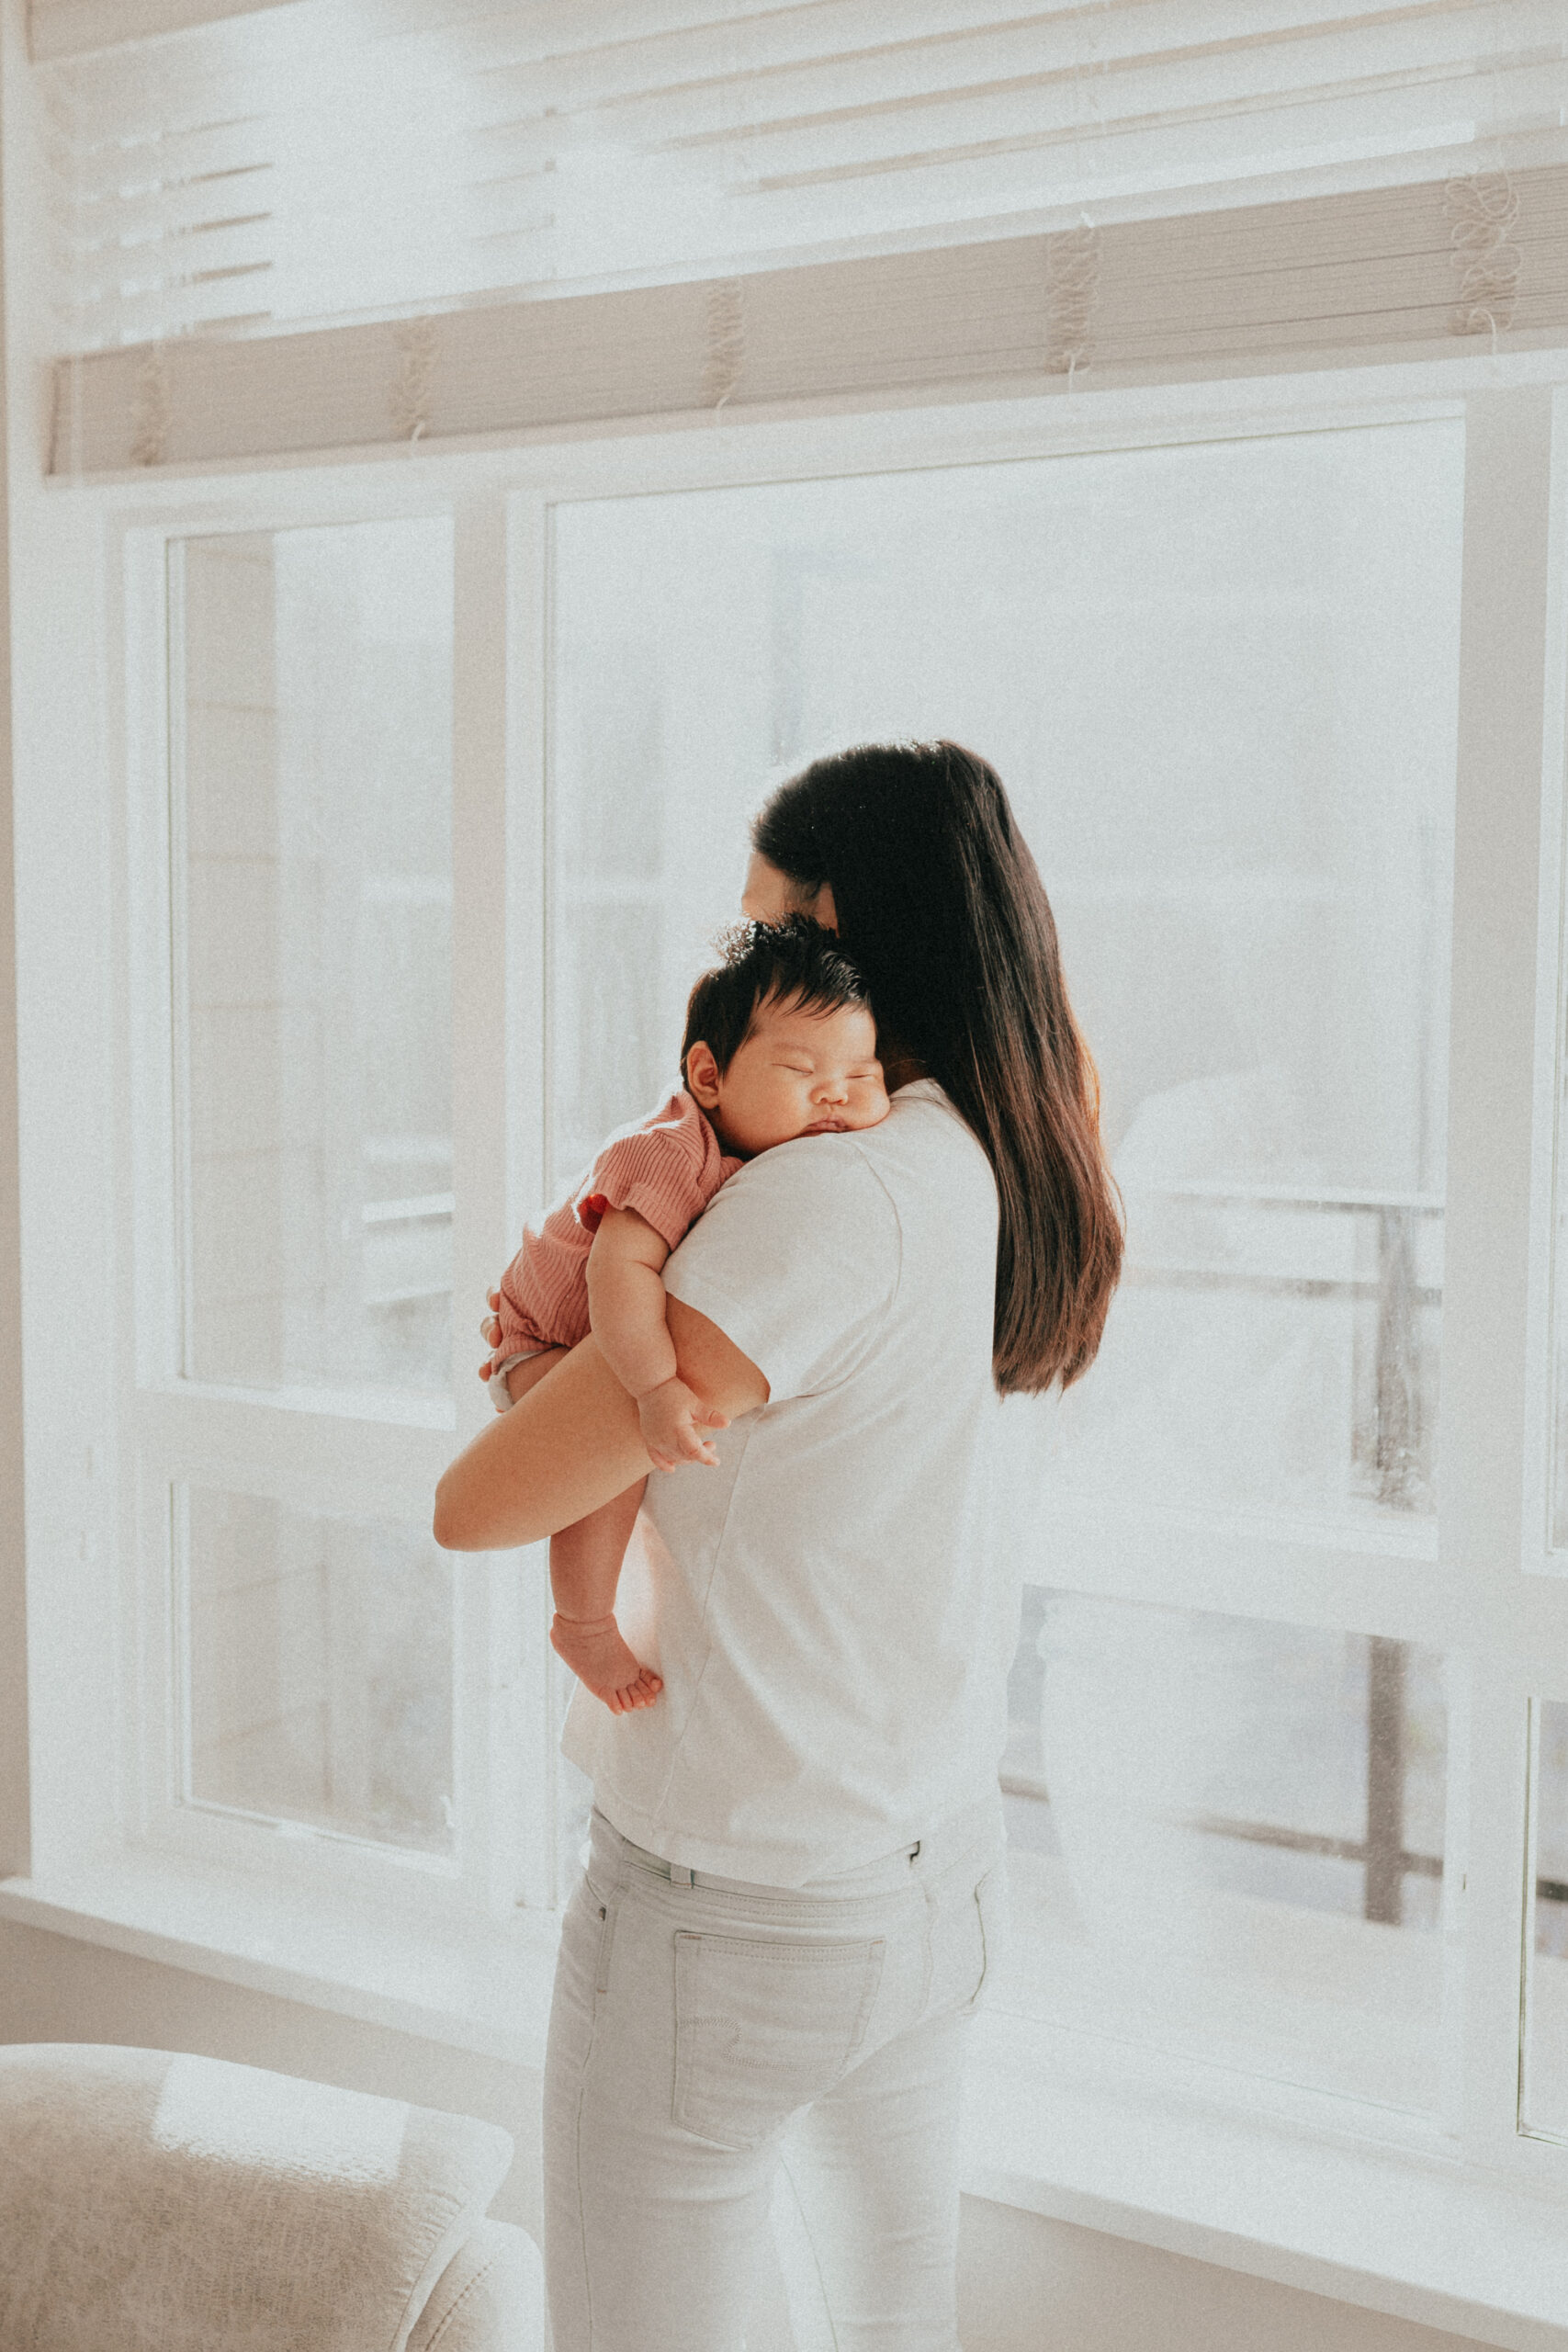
(764, 2028)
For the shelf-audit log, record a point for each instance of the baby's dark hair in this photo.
(794, 962)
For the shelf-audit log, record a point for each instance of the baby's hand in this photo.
(672, 1423)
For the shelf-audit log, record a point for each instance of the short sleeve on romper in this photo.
(796, 1261)
(655, 1171)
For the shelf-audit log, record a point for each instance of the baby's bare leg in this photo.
(585, 1569)
(531, 1370)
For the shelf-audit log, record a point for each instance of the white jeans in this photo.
(692, 2024)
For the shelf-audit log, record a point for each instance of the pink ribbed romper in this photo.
(667, 1168)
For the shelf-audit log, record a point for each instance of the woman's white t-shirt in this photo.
(830, 1611)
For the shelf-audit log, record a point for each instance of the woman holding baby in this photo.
(880, 1199)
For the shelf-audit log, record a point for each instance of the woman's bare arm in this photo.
(573, 1441)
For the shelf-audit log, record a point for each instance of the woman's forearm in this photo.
(566, 1447)
(573, 1441)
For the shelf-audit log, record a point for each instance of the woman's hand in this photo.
(490, 1332)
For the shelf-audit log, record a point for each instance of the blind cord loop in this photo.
(410, 396)
(725, 322)
(1072, 296)
(151, 408)
(1482, 207)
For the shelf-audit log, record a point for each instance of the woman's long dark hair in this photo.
(941, 904)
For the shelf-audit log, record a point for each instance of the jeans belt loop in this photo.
(678, 1874)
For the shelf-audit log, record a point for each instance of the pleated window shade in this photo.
(320, 225)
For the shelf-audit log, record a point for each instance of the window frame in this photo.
(364, 1454)
(1479, 1589)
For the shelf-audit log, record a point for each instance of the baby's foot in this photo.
(596, 1654)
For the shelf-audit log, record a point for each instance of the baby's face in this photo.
(799, 1073)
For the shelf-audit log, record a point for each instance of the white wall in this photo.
(1030, 2285)
(1026, 2284)
(59, 1151)
(55, 1988)
(13, 1610)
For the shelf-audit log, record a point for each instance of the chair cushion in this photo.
(490, 2297)
(157, 2202)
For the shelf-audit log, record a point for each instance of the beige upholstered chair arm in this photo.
(154, 2201)
(490, 2297)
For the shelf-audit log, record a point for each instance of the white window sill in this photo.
(486, 1988)
(1063, 2125)
(1079, 2135)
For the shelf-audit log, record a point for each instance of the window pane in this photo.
(314, 910)
(1227, 1838)
(319, 1669)
(1544, 2105)
(1219, 683)
(1558, 1532)
(574, 1797)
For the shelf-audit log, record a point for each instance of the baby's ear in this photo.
(702, 1075)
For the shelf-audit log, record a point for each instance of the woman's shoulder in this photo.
(925, 1129)
(928, 1160)
(800, 1249)
(923, 1143)
(809, 1200)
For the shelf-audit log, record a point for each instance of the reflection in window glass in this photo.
(313, 910)
(1544, 2105)
(1229, 1834)
(318, 1669)
(1219, 683)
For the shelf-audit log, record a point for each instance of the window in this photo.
(308, 1699)
(1220, 682)
(318, 1669)
(312, 805)
(1544, 2102)
(439, 809)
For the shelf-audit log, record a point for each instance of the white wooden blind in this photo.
(1322, 278)
(342, 160)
